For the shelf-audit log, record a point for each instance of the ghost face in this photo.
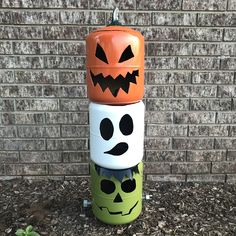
(115, 65)
(117, 194)
(126, 128)
(116, 135)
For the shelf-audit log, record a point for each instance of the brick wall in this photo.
(190, 85)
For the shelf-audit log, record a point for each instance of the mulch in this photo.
(55, 208)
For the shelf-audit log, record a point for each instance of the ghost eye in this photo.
(126, 125)
(126, 55)
(100, 54)
(107, 186)
(106, 128)
(128, 186)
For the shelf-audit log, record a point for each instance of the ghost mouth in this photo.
(119, 149)
(115, 84)
(118, 212)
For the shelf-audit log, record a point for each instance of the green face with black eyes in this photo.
(117, 198)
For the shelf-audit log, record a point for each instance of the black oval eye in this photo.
(100, 54)
(107, 186)
(126, 55)
(128, 186)
(126, 125)
(106, 128)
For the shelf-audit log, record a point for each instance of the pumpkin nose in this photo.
(118, 198)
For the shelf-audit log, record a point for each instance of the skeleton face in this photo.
(116, 135)
(116, 193)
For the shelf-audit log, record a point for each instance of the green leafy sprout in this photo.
(27, 232)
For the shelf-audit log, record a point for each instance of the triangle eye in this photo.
(100, 54)
(126, 55)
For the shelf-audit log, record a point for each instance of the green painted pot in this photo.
(116, 194)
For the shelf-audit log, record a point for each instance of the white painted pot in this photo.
(116, 134)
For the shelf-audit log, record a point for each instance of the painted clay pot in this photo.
(116, 134)
(116, 194)
(115, 65)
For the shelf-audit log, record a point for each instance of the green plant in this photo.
(27, 232)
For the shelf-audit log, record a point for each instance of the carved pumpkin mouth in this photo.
(115, 84)
(118, 212)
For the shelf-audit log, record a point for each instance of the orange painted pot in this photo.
(115, 65)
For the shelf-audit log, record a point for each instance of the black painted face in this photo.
(120, 82)
(108, 186)
(126, 127)
(117, 192)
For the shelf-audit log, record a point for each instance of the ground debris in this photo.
(56, 208)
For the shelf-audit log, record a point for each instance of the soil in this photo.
(56, 208)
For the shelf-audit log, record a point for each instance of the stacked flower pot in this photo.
(115, 85)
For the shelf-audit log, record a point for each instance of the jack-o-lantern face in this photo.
(117, 194)
(120, 82)
(115, 65)
(116, 134)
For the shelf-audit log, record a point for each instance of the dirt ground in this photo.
(55, 208)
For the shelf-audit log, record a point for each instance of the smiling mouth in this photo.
(118, 212)
(115, 84)
(119, 149)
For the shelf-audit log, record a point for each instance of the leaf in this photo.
(33, 234)
(20, 232)
(29, 229)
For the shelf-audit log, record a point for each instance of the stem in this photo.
(115, 18)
